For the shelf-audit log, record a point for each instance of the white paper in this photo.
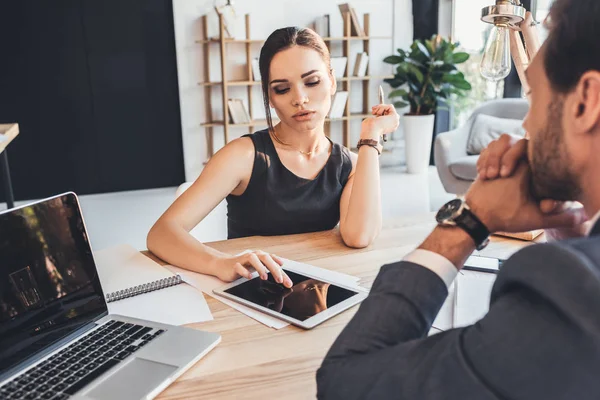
(175, 305)
(207, 284)
(472, 299)
(122, 266)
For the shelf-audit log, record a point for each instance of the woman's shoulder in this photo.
(348, 156)
(244, 148)
(237, 152)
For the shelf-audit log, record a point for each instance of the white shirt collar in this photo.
(592, 223)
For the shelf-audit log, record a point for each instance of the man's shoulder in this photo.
(583, 252)
(566, 273)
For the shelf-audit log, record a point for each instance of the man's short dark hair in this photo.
(573, 45)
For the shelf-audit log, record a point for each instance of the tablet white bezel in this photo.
(360, 295)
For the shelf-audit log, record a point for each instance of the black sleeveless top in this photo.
(277, 202)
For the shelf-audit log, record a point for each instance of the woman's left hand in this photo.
(385, 120)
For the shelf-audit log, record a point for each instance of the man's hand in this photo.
(515, 210)
(501, 157)
(506, 205)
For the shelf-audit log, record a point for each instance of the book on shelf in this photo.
(238, 112)
(229, 20)
(256, 70)
(356, 28)
(322, 26)
(338, 105)
(338, 64)
(361, 64)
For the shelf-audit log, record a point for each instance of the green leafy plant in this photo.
(429, 72)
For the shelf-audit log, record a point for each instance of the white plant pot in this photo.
(418, 134)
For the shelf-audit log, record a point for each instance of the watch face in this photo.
(449, 210)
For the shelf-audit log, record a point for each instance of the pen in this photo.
(381, 101)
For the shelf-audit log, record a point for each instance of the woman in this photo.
(289, 178)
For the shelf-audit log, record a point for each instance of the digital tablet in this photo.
(483, 264)
(309, 302)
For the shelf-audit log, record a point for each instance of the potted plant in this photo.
(426, 78)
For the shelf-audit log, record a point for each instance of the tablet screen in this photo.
(305, 299)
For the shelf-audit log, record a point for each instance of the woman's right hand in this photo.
(231, 268)
(385, 120)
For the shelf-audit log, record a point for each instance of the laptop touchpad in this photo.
(134, 381)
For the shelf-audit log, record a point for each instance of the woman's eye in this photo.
(314, 83)
(281, 90)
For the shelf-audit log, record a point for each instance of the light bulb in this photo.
(495, 64)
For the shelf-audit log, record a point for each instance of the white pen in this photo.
(381, 101)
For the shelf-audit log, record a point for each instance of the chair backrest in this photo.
(501, 108)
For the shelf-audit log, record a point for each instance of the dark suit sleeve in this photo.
(524, 348)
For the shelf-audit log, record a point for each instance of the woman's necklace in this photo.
(305, 153)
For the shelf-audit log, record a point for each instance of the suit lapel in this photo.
(596, 229)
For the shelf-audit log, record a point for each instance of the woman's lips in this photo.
(304, 115)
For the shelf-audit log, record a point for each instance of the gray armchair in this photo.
(456, 152)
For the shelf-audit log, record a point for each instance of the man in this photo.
(541, 336)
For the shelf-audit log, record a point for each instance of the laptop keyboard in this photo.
(71, 369)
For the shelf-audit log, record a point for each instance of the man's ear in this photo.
(587, 98)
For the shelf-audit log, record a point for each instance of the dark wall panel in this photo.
(94, 89)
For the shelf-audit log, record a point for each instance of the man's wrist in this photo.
(450, 242)
(483, 216)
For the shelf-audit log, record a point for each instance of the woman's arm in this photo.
(360, 205)
(227, 172)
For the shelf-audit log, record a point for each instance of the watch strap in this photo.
(474, 227)
(371, 143)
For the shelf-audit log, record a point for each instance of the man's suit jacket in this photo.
(539, 340)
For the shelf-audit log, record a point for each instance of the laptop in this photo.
(57, 340)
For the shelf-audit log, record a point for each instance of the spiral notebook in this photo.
(121, 280)
(136, 286)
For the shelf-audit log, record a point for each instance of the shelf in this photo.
(363, 78)
(253, 83)
(231, 83)
(217, 40)
(264, 121)
(327, 39)
(344, 38)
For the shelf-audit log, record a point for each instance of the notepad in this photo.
(128, 273)
(136, 286)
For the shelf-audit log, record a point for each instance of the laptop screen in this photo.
(49, 286)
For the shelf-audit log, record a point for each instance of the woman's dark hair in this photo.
(283, 39)
(572, 45)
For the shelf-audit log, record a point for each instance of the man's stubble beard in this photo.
(551, 176)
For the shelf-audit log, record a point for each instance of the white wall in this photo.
(388, 18)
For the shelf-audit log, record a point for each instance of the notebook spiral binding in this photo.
(145, 288)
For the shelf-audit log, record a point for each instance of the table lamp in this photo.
(509, 18)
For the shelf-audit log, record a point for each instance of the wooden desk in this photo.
(256, 362)
(8, 132)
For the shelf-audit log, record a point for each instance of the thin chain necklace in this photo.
(305, 153)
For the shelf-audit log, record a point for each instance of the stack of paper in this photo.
(208, 283)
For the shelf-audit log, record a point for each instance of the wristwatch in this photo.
(371, 143)
(457, 213)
